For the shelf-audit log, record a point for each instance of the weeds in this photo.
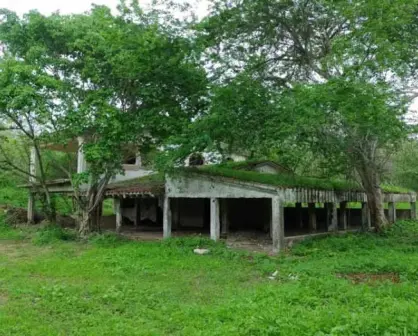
(52, 234)
(356, 284)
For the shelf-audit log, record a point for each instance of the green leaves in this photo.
(118, 79)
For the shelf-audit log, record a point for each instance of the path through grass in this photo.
(112, 287)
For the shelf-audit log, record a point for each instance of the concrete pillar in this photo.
(343, 223)
(167, 217)
(299, 215)
(392, 212)
(277, 220)
(138, 160)
(81, 161)
(365, 216)
(413, 210)
(31, 209)
(118, 213)
(33, 162)
(312, 217)
(214, 219)
(332, 220)
(225, 219)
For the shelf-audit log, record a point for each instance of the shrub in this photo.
(52, 233)
(191, 242)
(7, 232)
(108, 239)
(403, 229)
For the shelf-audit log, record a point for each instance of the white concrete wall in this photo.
(266, 169)
(204, 187)
(131, 174)
(201, 186)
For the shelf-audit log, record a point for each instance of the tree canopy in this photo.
(125, 79)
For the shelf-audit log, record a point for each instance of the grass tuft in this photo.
(108, 239)
(52, 234)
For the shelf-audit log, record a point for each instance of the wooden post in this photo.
(365, 216)
(312, 217)
(118, 213)
(225, 219)
(31, 208)
(343, 224)
(413, 210)
(214, 219)
(392, 212)
(166, 217)
(299, 215)
(277, 220)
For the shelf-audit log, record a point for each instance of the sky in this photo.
(75, 6)
(49, 6)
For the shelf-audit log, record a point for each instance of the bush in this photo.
(108, 239)
(7, 232)
(191, 242)
(51, 234)
(403, 229)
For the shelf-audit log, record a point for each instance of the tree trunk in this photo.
(377, 210)
(371, 183)
(84, 223)
(89, 204)
(48, 206)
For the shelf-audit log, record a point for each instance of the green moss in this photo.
(233, 170)
(149, 179)
(390, 188)
(279, 180)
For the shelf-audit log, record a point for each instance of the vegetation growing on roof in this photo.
(390, 188)
(247, 164)
(231, 170)
(279, 180)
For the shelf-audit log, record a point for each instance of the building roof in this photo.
(152, 185)
(283, 180)
(252, 164)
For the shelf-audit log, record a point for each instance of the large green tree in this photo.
(130, 79)
(330, 75)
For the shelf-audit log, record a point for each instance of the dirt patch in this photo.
(357, 278)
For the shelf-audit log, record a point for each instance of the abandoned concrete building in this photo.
(261, 197)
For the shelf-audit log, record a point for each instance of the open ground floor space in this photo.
(223, 208)
(243, 222)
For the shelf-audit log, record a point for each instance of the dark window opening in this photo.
(196, 160)
(130, 160)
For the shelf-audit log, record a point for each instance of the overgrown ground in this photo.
(353, 285)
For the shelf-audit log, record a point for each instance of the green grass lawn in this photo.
(109, 287)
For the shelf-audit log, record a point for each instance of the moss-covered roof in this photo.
(154, 184)
(251, 164)
(234, 170)
(278, 180)
(283, 180)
